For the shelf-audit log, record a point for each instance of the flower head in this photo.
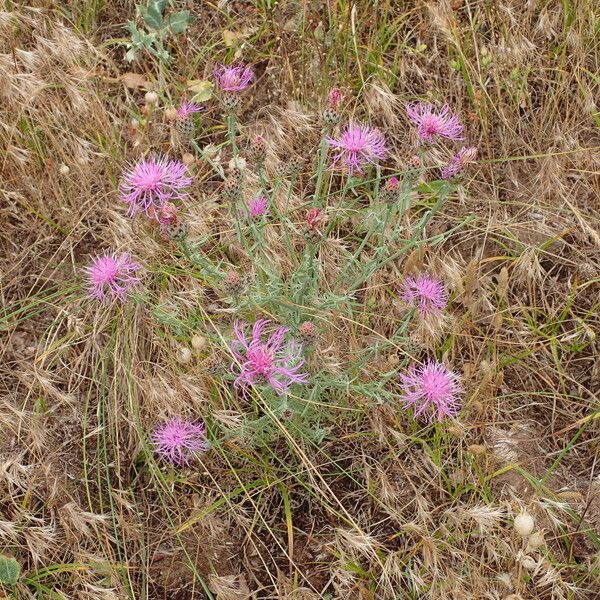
(314, 218)
(431, 122)
(459, 161)
(393, 183)
(151, 182)
(258, 148)
(424, 293)
(391, 190)
(357, 146)
(334, 98)
(111, 276)
(269, 360)
(257, 206)
(432, 390)
(177, 440)
(188, 108)
(233, 79)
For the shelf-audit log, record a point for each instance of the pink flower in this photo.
(392, 184)
(430, 122)
(424, 293)
(151, 182)
(357, 146)
(269, 361)
(188, 108)
(459, 161)
(177, 440)
(233, 79)
(314, 218)
(432, 389)
(334, 98)
(111, 276)
(257, 206)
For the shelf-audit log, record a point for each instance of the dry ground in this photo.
(361, 502)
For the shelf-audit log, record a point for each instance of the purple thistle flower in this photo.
(188, 108)
(430, 122)
(357, 146)
(151, 182)
(177, 440)
(459, 161)
(269, 361)
(257, 206)
(233, 79)
(424, 293)
(334, 98)
(432, 390)
(111, 276)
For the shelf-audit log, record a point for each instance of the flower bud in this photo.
(184, 354)
(198, 342)
(233, 282)
(171, 114)
(308, 332)
(151, 97)
(524, 524)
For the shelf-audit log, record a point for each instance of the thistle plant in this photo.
(274, 360)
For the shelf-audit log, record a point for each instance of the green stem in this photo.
(231, 132)
(323, 147)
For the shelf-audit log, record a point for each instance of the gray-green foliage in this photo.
(10, 570)
(157, 28)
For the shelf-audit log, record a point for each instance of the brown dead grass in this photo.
(375, 511)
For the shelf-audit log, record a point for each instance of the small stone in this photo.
(64, 169)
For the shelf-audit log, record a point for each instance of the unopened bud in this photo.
(390, 191)
(535, 541)
(258, 149)
(198, 343)
(64, 170)
(151, 97)
(308, 332)
(184, 354)
(233, 282)
(524, 524)
(171, 114)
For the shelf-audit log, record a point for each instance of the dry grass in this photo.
(379, 507)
